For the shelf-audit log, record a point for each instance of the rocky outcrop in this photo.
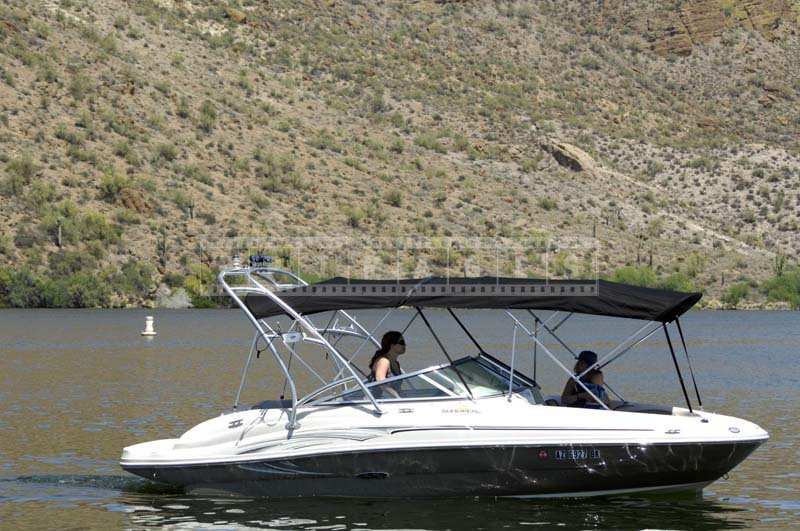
(176, 299)
(678, 31)
(675, 28)
(568, 155)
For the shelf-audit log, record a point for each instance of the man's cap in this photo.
(588, 357)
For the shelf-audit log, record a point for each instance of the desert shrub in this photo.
(184, 202)
(678, 281)
(430, 141)
(163, 87)
(785, 287)
(23, 288)
(397, 145)
(208, 217)
(197, 173)
(111, 186)
(78, 153)
(135, 278)
(199, 283)
(65, 216)
(95, 226)
(547, 203)
(208, 116)
(736, 293)
(26, 237)
(276, 170)
(80, 86)
(70, 137)
(394, 198)
(323, 139)
(174, 280)
(79, 290)
(66, 262)
(40, 196)
(121, 22)
(183, 109)
(165, 152)
(696, 264)
(637, 276)
(354, 215)
(20, 170)
(653, 168)
(127, 216)
(6, 245)
(7, 76)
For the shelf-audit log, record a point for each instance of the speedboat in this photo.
(473, 426)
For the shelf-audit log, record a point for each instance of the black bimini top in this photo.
(599, 297)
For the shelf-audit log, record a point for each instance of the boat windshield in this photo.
(481, 376)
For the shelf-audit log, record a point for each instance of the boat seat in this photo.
(273, 404)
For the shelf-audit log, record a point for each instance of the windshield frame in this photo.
(485, 361)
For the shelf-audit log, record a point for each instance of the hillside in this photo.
(143, 143)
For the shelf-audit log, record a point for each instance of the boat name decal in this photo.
(235, 424)
(577, 453)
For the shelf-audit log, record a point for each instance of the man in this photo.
(573, 394)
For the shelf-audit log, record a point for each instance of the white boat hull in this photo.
(488, 447)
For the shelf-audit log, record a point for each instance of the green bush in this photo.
(94, 226)
(174, 280)
(430, 141)
(198, 284)
(64, 262)
(183, 109)
(165, 153)
(547, 203)
(394, 198)
(23, 289)
(735, 294)
(637, 276)
(135, 278)
(208, 116)
(354, 215)
(21, 170)
(323, 140)
(80, 290)
(678, 281)
(65, 215)
(785, 287)
(111, 186)
(80, 86)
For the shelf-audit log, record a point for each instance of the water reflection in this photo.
(144, 504)
(658, 512)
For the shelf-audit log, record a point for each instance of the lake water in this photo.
(76, 386)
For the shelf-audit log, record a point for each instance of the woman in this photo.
(574, 394)
(384, 362)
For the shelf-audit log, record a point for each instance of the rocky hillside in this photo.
(143, 143)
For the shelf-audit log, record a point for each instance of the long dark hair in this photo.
(389, 338)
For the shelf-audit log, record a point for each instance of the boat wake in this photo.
(119, 483)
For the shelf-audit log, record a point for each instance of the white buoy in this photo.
(148, 326)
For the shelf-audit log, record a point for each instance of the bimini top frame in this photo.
(263, 292)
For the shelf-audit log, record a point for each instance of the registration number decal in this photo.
(577, 454)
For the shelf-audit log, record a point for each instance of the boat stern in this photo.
(140, 459)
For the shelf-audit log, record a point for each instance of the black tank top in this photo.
(394, 368)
